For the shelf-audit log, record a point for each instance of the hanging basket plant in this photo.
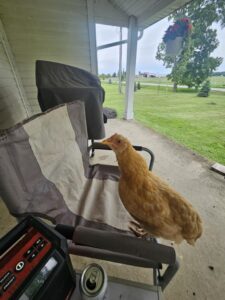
(175, 35)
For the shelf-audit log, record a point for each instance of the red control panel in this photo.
(20, 260)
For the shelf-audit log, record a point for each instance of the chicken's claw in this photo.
(137, 229)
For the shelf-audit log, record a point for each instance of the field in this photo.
(216, 81)
(198, 123)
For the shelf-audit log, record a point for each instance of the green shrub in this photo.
(205, 89)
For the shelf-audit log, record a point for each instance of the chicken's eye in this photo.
(119, 141)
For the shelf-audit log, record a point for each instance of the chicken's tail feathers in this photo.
(199, 227)
(196, 231)
(191, 242)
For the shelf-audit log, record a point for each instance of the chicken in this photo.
(157, 207)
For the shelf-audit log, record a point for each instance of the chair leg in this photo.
(92, 149)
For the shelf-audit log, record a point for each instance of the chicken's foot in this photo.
(137, 229)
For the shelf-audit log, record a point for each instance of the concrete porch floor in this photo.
(190, 175)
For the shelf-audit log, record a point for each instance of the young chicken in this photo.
(159, 209)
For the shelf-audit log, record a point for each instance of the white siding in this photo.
(12, 109)
(55, 30)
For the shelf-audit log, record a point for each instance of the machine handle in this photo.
(65, 230)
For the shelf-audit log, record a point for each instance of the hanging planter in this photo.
(175, 35)
(174, 47)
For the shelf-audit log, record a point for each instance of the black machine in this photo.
(35, 264)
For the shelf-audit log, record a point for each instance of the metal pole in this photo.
(120, 61)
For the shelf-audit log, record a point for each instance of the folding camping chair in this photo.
(45, 171)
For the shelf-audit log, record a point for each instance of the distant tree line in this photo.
(113, 75)
(218, 73)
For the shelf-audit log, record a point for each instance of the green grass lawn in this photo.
(198, 123)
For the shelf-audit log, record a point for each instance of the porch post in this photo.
(92, 36)
(130, 68)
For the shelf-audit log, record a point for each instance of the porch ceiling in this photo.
(147, 12)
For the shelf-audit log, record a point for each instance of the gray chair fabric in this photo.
(58, 83)
(44, 170)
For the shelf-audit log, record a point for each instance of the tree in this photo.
(200, 64)
(102, 76)
(194, 64)
(178, 64)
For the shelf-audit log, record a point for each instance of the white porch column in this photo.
(130, 69)
(92, 36)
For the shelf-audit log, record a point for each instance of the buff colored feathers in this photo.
(159, 209)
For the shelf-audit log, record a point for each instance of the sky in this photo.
(108, 59)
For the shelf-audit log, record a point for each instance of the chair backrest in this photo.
(56, 75)
(35, 152)
(45, 171)
(58, 83)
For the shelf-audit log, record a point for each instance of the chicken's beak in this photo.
(106, 142)
(110, 142)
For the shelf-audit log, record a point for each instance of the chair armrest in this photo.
(124, 243)
(122, 248)
(100, 146)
